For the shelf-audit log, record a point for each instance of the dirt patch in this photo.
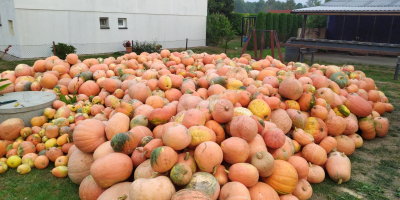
(351, 192)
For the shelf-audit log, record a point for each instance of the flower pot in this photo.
(128, 49)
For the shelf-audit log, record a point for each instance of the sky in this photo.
(297, 1)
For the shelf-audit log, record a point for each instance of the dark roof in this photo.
(354, 7)
(280, 11)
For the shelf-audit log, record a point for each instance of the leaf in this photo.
(4, 86)
(63, 99)
(5, 79)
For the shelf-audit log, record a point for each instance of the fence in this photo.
(27, 54)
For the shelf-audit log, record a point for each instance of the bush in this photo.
(269, 25)
(289, 26)
(219, 30)
(150, 47)
(260, 24)
(62, 50)
(295, 25)
(275, 17)
(236, 22)
(282, 26)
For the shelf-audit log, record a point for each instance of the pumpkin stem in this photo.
(154, 175)
(215, 170)
(226, 108)
(186, 156)
(304, 188)
(226, 171)
(310, 164)
(137, 148)
(259, 155)
(144, 153)
(123, 197)
(340, 181)
(68, 140)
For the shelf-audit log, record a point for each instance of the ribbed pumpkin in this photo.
(218, 130)
(10, 128)
(125, 142)
(316, 174)
(264, 162)
(302, 137)
(381, 126)
(328, 143)
(345, 144)
(25, 148)
(221, 110)
(284, 152)
(303, 190)
(118, 123)
(314, 153)
(117, 191)
(79, 166)
(338, 167)
(235, 150)
(234, 190)
(244, 127)
(291, 89)
(88, 135)
(205, 182)
(89, 190)
(301, 166)
(103, 150)
(208, 155)
(163, 158)
(244, 173)
(261, 191)
(336, 125)
(274, 138)
(358, 105)
(317, 128)
(284, 178)
(160, 188)
(367, 128)
(281, 119)
(111, 169)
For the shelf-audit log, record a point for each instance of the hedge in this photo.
(289, 27)
(275, 17)
(295, 26)
(269, 25)
(282, 26)
(236, 21)
(260, 24)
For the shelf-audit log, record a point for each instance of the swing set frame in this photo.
(273, 37)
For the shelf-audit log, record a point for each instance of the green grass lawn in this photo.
(375, 166)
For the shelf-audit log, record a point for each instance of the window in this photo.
(104, 23)
(122, 23)
(11, 27)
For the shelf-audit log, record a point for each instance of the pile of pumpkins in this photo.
(193, 126)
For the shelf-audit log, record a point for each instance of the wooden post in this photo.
(272, 44)
(54, 48)
(396, 73)
(186, 43)
(255, 43)
(303, 28)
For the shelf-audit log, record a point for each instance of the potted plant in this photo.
(128, 46)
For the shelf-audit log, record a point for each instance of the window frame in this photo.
(107, 25)
(124, 23)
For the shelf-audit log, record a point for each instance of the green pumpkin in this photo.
(145, 140)
(125, 142)
(340, 79)
(140, 120)
(180, 174)
(218, 80)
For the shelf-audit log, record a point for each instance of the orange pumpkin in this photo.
(89, 190)
(111, 169)
(235, 150)
(284, 178)
(208, 155)
(314, 153)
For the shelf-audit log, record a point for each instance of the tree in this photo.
(282, 26)
(312, 3)
(299, 5)
(290, 5)
(221, 6)
(218, 30)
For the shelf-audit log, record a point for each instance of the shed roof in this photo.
(353, 7)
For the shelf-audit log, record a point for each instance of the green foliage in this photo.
(149, 47)
(269, 25)
(275, 17)
(249, 7)
(62, 50)
(236, 21)
(317, 21)
(219, 30)
(71, 100)
(221, 6)
(289, 26)
(260, 24)
(5, 85)
(282, 26)
(300, 20)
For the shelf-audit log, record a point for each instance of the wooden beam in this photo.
(303, 28)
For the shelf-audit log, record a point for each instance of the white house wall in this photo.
(7, 12)
(77, 22)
